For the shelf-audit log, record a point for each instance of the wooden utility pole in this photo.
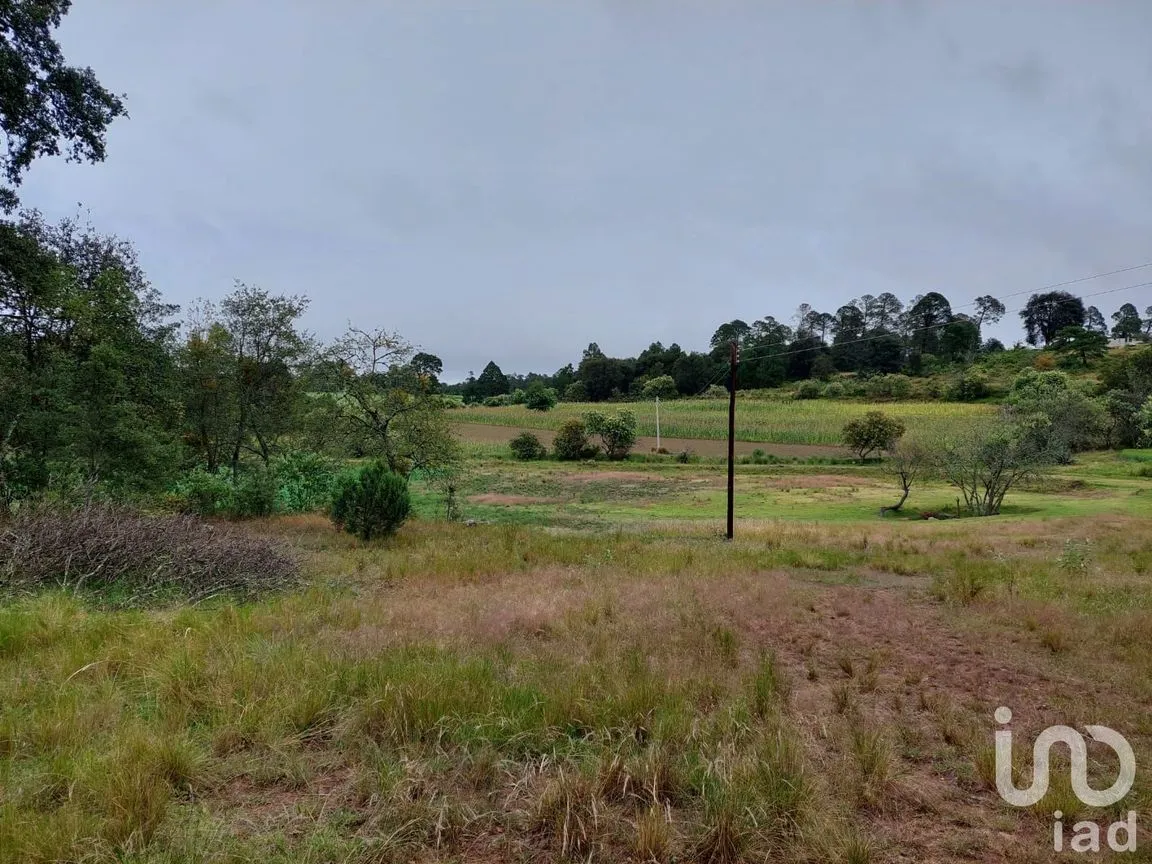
(733, 362)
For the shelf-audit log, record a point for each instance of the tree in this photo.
(1080, 342)
(1055, 414)
(959, 340)
(492, 382)
(734, 331)
(384, 407)
(45, 104)
(985, 461)
(617, 432)
(1045, 315)
(660, 387)
(86, 380)
(539, 398)
(267, 350)
(428, 368)
(906, 461)
(373, 503)
(1127, 324)
(873, 433)
(988, 309)
(882, 313)
(924, 320)
(1094, 321)
(571, 441)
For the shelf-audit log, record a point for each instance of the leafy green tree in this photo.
(959, 340)
(985, 461)
(87, 382)
(428, 368)
(539, 398)
(1080, 342)
(924, 320)
(1047, 314)
(46, 106)
(1057, 415)
(617, 432)
(267, 350)
(492, 382)
(660, 387)
(875, 432)
(384, 407)
(1126, 323)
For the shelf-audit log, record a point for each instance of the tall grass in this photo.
(772, 422)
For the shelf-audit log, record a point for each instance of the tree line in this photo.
(871, 335)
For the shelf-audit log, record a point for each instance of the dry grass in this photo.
(499, 693)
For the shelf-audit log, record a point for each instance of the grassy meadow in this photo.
(759, 420)
(586, 671)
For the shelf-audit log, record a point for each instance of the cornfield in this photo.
(770, 422)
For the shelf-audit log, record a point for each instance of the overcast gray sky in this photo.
(511, 179)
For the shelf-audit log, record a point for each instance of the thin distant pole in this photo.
(657, 424)
(733, 360)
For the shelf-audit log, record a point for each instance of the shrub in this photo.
(617, 432)
(808, 390)
(517, 397)
(527, 447)
(203, 492)
(891, 386)
(539, 398)
(100, 546)
(874, 432)
(968, 387)
(372, 503)
(253, 494)
(571, 441)
(576, 392)
(497, 401)
(304, 482)
(833, 390)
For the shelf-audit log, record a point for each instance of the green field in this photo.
(757, 420)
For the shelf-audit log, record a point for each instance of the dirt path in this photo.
(486, 434)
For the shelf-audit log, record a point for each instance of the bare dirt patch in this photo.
(497, 498)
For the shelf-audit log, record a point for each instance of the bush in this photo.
(253, 494)
(500, 401)
(576, 392)
(833, 390)
(100, 546)
(372, 503)
(304, 482)
(203, 492)
(527, 447)
(617, 432)
(891, 386)
(571, 441)
(539, 398)
(968, 387)
(808, 390)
